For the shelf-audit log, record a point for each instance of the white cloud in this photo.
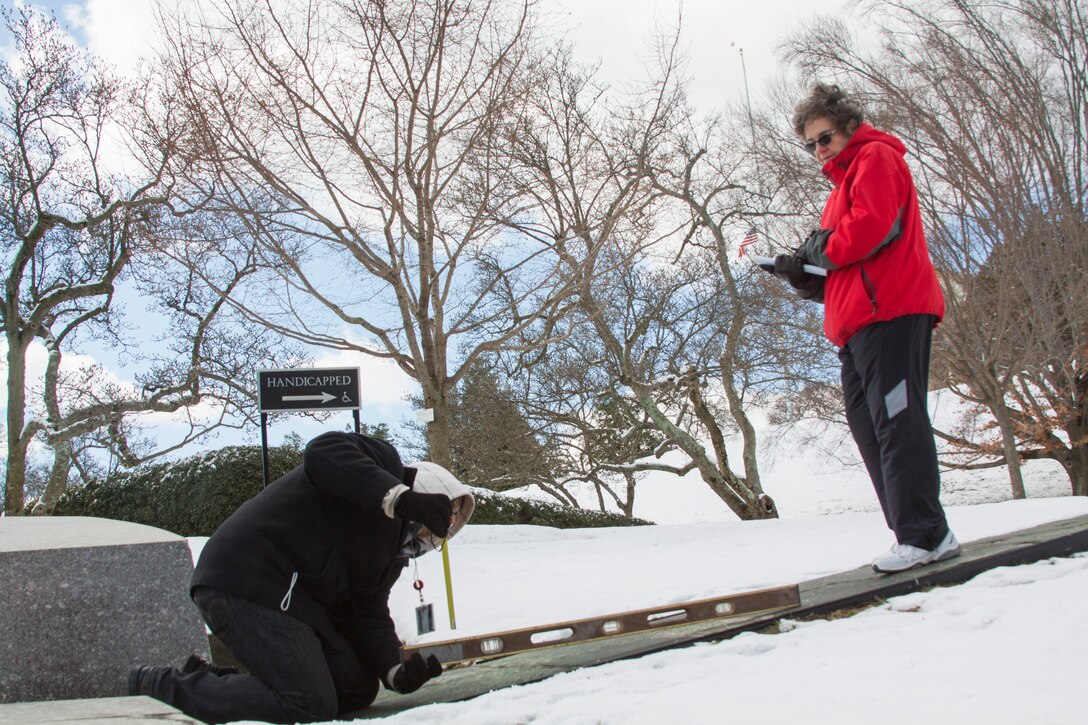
(121, 32)
(75, 14)
(36, 360)
(619, 34)
(383, 383)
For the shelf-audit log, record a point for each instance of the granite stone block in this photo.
(84, 600)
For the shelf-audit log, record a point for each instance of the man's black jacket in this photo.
(317, 545)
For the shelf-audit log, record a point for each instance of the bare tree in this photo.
(662, 330)
(583, 160)
(654, 320)
(361, 142)
(771, 349)
(609, 440)
(685, 335)
(574, 395)
(72, 235)
(991, 98)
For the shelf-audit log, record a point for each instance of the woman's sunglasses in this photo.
(824, 139)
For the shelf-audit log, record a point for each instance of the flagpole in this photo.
(752, 234)
(747, 95)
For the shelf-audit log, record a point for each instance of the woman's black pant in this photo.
(885, 378)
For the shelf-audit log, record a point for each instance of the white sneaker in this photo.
(900, 558)
(904, 556)
(948, 548)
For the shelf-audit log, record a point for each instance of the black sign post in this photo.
(309, 389)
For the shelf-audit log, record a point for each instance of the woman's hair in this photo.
(827, 101)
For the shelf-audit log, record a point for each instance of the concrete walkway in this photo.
(99, 711)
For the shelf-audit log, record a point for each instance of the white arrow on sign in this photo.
(324, 397)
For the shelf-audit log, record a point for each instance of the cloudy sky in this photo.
(618, 34)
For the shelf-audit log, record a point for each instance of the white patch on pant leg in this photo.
(895, 402)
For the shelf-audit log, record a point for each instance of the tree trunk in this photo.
(748, 503)
(1076, 466)
(15, 479)
(1012, 456)
(438, 430)
(628, 506)
(58, 476)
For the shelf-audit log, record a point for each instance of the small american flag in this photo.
(749, 240)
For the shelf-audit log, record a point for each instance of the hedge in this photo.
(191, 497)
(495, 508)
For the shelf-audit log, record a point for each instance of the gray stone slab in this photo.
(860, 586)
(845, 589)
(101, 711)
(37, 533)
(84, 600)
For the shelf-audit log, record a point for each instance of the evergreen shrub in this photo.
(191, 497)
(495, 508)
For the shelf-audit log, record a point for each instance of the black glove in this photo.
(813, 288)
(411, 675)
(792, 268)
(433, 510)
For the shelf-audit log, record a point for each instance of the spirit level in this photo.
(499, 644)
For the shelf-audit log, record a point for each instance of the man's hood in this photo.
(433, 478)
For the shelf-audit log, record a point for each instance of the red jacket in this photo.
(876, 251)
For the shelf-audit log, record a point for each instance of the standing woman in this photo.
(881, 303)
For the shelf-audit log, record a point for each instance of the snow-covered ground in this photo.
(1009, 646)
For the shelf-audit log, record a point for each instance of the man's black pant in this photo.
(294, 674)
(885, 377)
